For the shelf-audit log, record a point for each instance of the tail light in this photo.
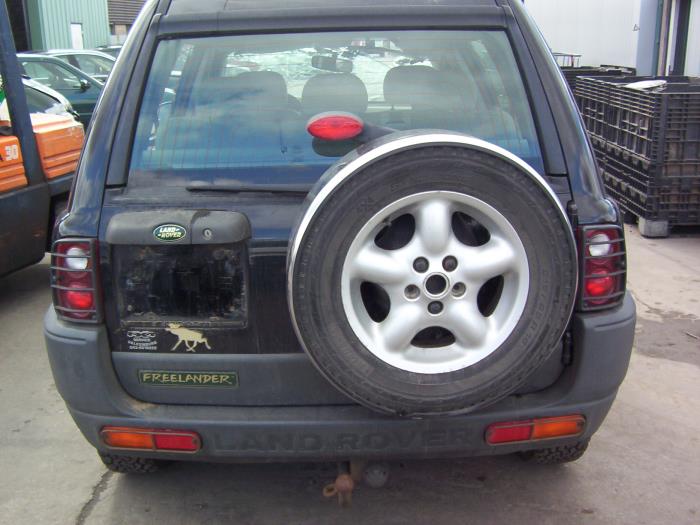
(167, 440)
(535, 429)
(603, 266)
(74, 280)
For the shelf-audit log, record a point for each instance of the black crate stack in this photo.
(572, 73)
(648, 144)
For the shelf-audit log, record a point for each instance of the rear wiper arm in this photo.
(245, 187)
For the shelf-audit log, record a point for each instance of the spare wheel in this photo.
(430, 273)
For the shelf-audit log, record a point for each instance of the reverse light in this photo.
(599, 244)
(535, 429)
(74, 279)
(335, 126)
(77, 258)
(167, 440)
(603, 266)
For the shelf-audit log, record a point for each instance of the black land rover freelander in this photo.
(337, 229)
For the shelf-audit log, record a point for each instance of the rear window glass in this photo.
(237, 107)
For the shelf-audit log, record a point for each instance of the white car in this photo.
(43, 99)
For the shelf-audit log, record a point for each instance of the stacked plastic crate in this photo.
(647, 139)
(572, 73)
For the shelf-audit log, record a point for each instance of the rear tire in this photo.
(131, 464)
(556, 455)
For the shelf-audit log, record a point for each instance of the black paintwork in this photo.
(77, 355)
(101, 193)
(105, 160)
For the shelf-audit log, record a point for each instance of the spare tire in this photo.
(430, 273)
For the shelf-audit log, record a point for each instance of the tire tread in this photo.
(557, 455)
(130, 464)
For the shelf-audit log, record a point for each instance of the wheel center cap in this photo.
(436, 285)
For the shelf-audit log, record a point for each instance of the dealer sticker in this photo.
(180, 378)
(141, 340)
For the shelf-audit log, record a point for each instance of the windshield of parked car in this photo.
(38, 102)
(94, 64)
(53, 75)
(238, 106)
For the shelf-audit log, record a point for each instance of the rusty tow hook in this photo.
(341, 487)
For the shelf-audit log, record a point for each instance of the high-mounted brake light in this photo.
(74, 279)
(603, 266)
(167, 440)
(535, 429)
(335, 126)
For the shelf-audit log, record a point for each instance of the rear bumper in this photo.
(82, 368)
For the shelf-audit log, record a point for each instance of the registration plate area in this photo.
(181, 298)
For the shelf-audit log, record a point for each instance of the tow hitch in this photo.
(350, 473)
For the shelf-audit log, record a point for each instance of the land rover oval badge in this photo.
(169, 232)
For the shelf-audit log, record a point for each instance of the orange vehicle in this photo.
(29, 205)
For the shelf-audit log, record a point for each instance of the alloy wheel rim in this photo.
(424, 311)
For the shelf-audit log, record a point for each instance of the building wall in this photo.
(692, 57)
(646, 46)
(124, 12)
(50, 22)
(602, 31)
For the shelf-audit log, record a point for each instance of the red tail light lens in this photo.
(335, 126)
(599, 287)
(603, 266)
(77, 299)
(73, 279)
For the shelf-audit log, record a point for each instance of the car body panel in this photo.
(54, 102)
(80, 361)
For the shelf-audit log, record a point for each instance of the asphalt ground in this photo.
(642, 467)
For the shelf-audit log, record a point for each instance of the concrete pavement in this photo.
(643, 467)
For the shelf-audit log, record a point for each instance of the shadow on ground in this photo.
(478, 490)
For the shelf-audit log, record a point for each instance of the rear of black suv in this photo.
(337, 230)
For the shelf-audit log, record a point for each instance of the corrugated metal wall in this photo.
(54, 18)
(124, 11)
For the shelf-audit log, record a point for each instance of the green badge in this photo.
(179, 378)
(169, 232)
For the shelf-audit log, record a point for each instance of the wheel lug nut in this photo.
(411, 292)
(435, 307)
(459, 289)
(421, 265)
(449, 263)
